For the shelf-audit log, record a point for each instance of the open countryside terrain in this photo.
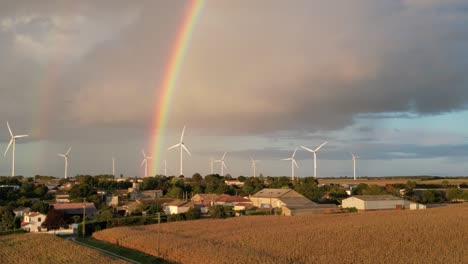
(46, 248)
(436, 235)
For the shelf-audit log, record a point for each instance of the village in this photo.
(101, 202)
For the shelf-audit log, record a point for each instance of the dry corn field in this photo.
(46, 248)
(437, 235)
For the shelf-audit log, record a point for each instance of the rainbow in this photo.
(170, 77)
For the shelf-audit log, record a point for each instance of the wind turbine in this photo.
(354, 165)
(315, 156)
(13, 141)
(145, 162)
(182, 147)
(66, 162)
(254, 166)
(293, 163)
(113, 166)
(222, 164)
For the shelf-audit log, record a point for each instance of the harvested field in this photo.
(426, 236)
(45, 248)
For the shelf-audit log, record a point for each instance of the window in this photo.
(39, 219)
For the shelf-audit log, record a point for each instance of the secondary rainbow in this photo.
(171, 74)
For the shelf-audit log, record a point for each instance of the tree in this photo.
(155, 208)
(217, 211)
(40, 207)
(193, 213)
(55, 219)
(7, 218)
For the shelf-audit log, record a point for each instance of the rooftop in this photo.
(65, 206)
(377, 197)
(275, 193)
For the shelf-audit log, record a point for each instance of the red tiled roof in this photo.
(64, 206)
(232, 199)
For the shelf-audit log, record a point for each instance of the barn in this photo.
(379, 202)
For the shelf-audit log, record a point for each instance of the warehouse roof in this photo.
(377, 197)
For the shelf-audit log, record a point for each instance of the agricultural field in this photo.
(46, 248)
(426, 236)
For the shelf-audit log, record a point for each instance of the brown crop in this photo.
(46, 248)
(438, 235)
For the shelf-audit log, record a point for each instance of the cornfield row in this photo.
(46, 248)
(428, 236)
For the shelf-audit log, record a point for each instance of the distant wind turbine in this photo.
(293, 163)
(66, 155)
(315, 156)
(13, 141)
(145, 162)
(222, 163)
(254, 166)
(354, 165)
(113, 166)
(182, 147)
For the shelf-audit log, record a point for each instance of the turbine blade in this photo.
(295, 163)
(319, 147)
(224, 155)
(68, 151)
(9, 129)
(8, 147)
(183, 146)
(287, 159)
(294, 153)
(175, 146)
(182, 135)
(224, 165)
(143, 162)
(308, 149)
(143, 152)
(21, 136)
(61, 155)
(149, 158)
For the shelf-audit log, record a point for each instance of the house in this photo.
(205, 199)
(72, 209)
(230, 200)
(150, 194)
(289, 201)
(62, 198)
(32, 222)
(236, 183)
(379, 202)
(177, 207)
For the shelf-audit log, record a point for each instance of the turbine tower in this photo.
(354, 165)
(113, 166)
(66, 162)
(315, 156)
(222, 163)
(182, 147)
(254, 166)
(13, 141)
(145, 162)
(293, 163)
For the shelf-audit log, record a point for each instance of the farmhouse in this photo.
(289, 201)
(178, 207)
(379, 202)
(32, 222)
(71, 209)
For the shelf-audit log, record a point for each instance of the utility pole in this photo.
(159, 234)
(84, 216)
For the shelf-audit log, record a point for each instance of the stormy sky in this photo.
(384, 79)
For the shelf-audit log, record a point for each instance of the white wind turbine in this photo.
(66, 162)
(354, 165)
(315, 156)
(222, 163)
(113, 166)
(293, 163)
(254, 166)
(13, 141)
(182, 147)
(145, 162)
